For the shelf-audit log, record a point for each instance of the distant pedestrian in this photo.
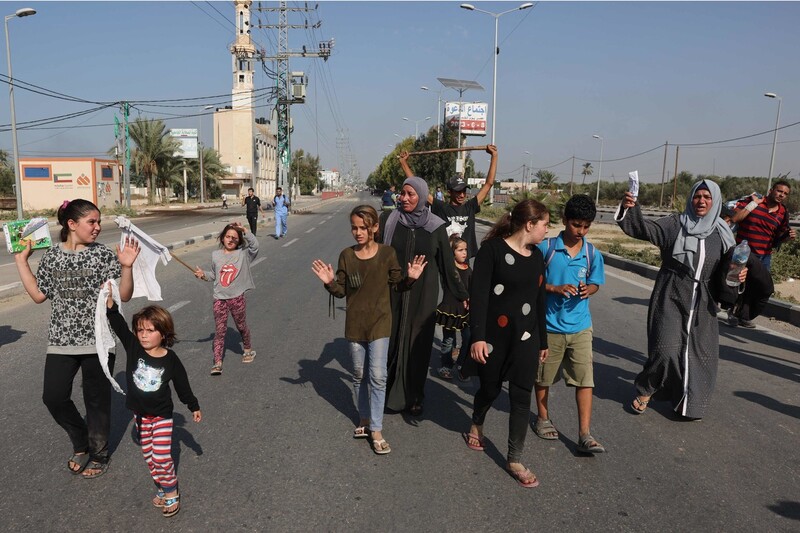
(509, 333)
(439, 194)
(224, 201)
(281, 204)
(230, 272)
(70, 275)
(453, 317)
(574, 271)
(366, 275)
(389, 199)
(252, 205)
(459, 213)
(412, 230)
(682, 326)
(151, 365)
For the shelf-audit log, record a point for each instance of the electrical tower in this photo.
(290, 86)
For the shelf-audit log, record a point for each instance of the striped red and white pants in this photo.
(155, 434)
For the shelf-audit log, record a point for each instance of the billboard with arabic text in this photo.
(473, 116)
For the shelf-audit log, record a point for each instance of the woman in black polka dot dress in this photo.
(509, 337)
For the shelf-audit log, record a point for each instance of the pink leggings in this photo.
(237, 308)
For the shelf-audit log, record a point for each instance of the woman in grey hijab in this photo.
(682, 326)
(413, 230)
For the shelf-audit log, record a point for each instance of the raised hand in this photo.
(324, 272)
(22, 257)
(491, 150)
(199, 274)
(127, 256)
(403, 155)
(416, 267)
(628, 200)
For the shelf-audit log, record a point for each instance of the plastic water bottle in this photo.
(740, 255)
(581, 280)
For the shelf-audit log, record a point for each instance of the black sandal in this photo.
(416, 409)
(97, 470)
(80, 460)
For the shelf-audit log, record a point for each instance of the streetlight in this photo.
(438, 114)
(599, 170)
(24, 12)
(416, 125)
(200, 147)
(530, 171)
(774, 137)
(496, 16)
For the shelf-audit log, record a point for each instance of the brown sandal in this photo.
(524, 477)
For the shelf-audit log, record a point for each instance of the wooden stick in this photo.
(179, 260)
(444, 150)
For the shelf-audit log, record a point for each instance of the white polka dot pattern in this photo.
(509, 259)
(489, 348)
(526, 309)
(498, 289)
(525, 336)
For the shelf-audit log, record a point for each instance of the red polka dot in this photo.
(502, 321)
(541, 279)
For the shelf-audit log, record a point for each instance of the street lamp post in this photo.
(530, 172)
(438, 114)
(599, 170)
(24, 12)
(200, 155)
(496, 16)
(774, 137)
(416, 125)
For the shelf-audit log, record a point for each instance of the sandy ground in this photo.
(601, 234)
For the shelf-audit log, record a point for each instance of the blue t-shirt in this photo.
(281, 204)
(570, 315)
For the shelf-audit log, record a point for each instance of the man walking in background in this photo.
(281, 204)
(252, 205)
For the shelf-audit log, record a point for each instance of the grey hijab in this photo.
(695, 228)
(420, 217)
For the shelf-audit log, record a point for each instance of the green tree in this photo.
(546, 179)
(306, 169)
(213, 171)
(154, 150)
(6, 175)
(586, 171)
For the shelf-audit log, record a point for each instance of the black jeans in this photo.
(520, 399)
(253, 220)
(59, 373)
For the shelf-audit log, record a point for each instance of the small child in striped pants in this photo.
(150, 366)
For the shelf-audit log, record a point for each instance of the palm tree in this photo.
(546, 179)
(154, 150)
(587, 171)
(213, 169)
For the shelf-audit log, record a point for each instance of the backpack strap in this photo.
(551, 250)
(588, 251)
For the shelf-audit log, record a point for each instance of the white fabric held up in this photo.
(144, 269)
(103, 337)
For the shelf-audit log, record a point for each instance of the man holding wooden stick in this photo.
(458, 212)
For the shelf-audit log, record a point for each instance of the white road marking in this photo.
(310, 230)
(174, 307)
(257, 261)
(321, 222)
(290, 243)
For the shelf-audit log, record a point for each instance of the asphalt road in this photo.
(274, 450)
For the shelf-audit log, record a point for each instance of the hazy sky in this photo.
(636, 73)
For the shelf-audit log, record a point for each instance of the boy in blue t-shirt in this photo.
(574, 271)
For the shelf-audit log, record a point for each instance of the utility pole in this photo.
(663, 168)
(126, 165)
(285, 96)
(572, 175)
(675, 177)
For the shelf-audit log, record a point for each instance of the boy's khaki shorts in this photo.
(572, 354)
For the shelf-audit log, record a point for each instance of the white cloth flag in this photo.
(144, 268)
(103, 338)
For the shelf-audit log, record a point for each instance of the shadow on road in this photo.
(760, 361)
(786, 509)
(9, 335)
(769, 403)
(330, 384)
(627, 300)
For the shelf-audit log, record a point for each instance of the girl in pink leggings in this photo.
(230, 272)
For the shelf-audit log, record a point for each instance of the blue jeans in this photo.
(280, 224)
(449, 342)
(370, 400)
(766, 260)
